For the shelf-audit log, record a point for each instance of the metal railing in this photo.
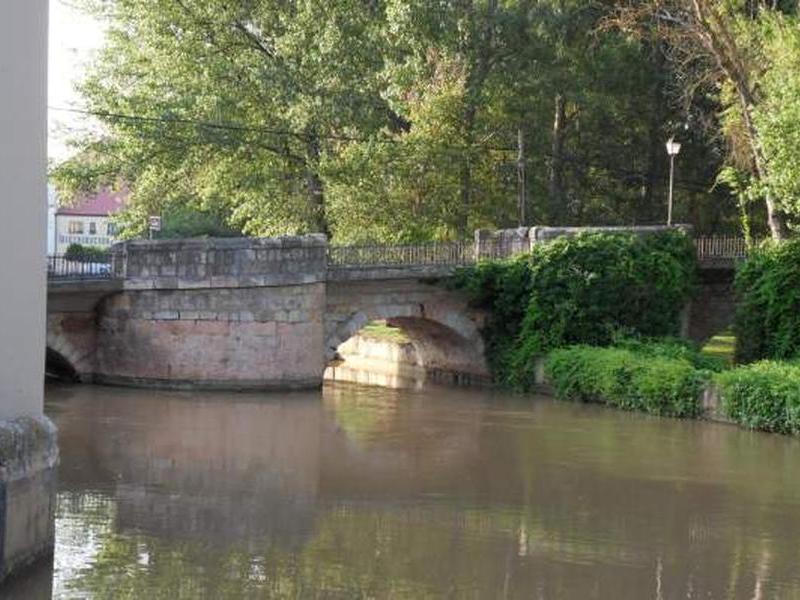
(408, 255)
(710, 249)
(720, 248)
(724, 249)
(67, 267)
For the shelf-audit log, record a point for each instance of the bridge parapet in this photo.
(402, 261)
(291, 260)
(220, 262)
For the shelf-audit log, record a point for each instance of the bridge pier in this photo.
(222, 313)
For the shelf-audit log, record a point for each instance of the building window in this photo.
(75, 227)
(111, 229)
(92, 228)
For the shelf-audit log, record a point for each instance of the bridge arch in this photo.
(71, 346)
(443, 329)
(57, 366)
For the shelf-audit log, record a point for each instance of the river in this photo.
(366, 492)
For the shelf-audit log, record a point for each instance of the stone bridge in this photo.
(247, 313)
(270, 313)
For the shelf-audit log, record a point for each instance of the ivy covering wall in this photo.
(589, 289)
(768, 292)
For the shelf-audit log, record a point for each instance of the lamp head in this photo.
(673, 147)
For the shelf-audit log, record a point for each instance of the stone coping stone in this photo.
(220, 262)
(28, 463)
(238, 243)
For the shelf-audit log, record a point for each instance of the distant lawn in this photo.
(721, 346)
(379, 330)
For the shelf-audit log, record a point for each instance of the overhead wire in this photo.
(460, 151)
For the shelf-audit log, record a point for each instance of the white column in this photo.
(23, 193)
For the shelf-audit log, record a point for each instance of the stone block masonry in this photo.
(27, 491)
(217, 313)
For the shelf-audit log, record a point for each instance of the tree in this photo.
(230, 103)
(711, 44)
(777, 117)
(384, 120)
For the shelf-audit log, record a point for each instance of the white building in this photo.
(87, 221)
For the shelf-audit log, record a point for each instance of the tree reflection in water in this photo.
(366, 492)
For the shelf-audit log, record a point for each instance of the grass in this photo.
(721, 346)
(379, 330)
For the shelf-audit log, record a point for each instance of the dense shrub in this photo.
(768, 315)
(627, 379)
(764, 395)
(670, 347)
(78, 252)
(585, 289)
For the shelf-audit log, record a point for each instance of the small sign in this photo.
(155, 223)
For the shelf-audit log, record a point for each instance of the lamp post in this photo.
(673, 149)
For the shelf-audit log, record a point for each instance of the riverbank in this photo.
(662, 377)
(709, 407)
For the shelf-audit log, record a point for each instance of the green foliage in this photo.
(777, 117)
(502, 288)
(676, 348)
(627, 379)
(186, 222)
(591, 288)
(722, 348)
(764, 395)
(586, 289)
(767, 321)
(382, 121)
(380, 331)
(81, 253)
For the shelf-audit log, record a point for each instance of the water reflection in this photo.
(367, 492)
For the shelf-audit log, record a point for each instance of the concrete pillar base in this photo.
(28, 462)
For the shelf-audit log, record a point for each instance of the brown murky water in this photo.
(364, 492)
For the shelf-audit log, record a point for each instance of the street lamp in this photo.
(673, 148)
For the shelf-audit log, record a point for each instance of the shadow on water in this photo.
(362, 491)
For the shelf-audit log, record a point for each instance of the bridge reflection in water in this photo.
(372, 492)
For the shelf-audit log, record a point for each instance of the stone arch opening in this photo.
(425, 350)
(57, 366)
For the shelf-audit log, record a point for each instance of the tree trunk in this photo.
(522, 199)
(473, 89)
(315, 187)
(466, 188)
(718, 39)
(775, 219)
(656, 155)
(556, 176)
